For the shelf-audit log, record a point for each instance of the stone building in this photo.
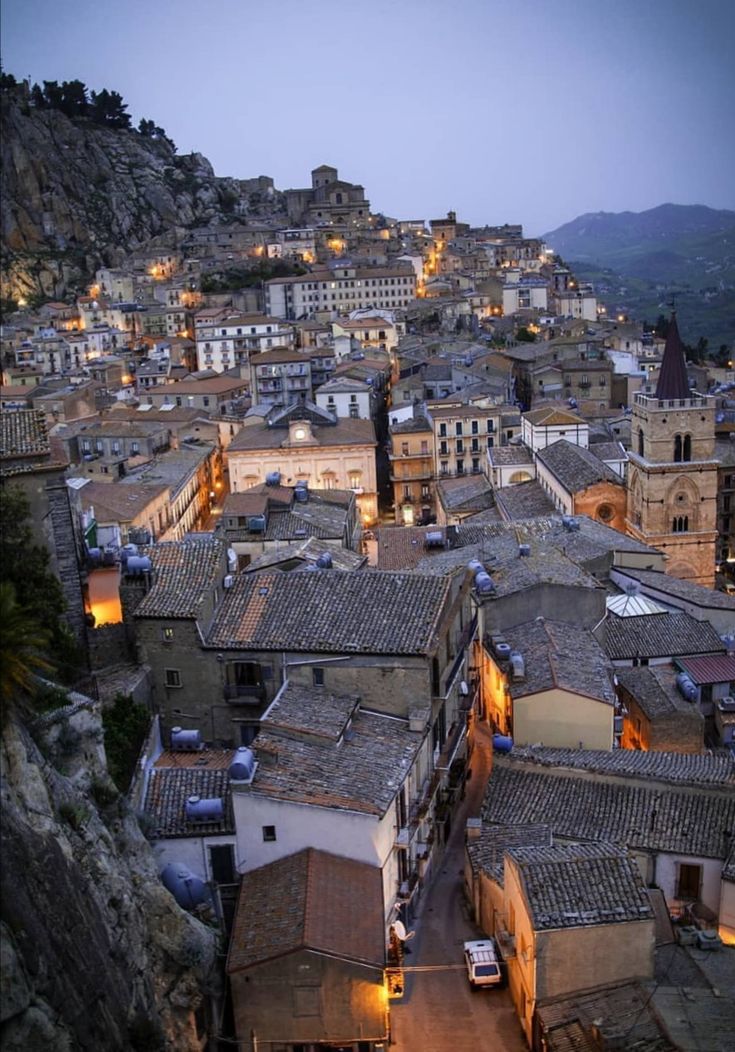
(412, 471)
(672, 478)
(330, 201)
(655, 715)
(307, 954)
(579, 483)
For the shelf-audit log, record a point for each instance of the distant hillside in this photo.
(686, 251)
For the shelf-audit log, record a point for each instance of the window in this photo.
(404, 449)
(458, 427)
(475, 427)
(317, 676)
(269, 833)
(689, 881)
(442, 429)
(475, 465)
(460, 467)
(444, 467)
(172, 677)
(460, 445)
(168, 635)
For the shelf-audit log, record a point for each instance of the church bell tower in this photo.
(672, 473)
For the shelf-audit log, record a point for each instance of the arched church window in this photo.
(677, 449)
(687, 447)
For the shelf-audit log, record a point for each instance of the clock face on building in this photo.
(299, 433)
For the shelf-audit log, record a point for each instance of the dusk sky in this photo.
(525, 111)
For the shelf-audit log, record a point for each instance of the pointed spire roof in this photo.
(673, 381)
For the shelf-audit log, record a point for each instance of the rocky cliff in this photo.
(94, 952)
(77, 195)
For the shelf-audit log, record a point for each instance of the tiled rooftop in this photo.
(469, 492)
(510, 455)
(314, 713)
(523, 501)
(654, 689)
(23, 433)
(561, 655)
(183, 574)
(486, 851)
(331, 611)
(672, 634)
(578, 885)
(644, 815)
(692, 769)
(576, 468)
(310, 900)
(115, 503)
(346, 432)
(306, 552)
(362, 771)
(619, 1012)
(168, 790)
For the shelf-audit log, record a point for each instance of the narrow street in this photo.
(440, 1012)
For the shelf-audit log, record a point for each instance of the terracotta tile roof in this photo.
(310, 900)
(115, 503)
(578, 885)
(346, 432)
(654, 689)
(306, 552)
(640, 813)
(689, 769)
(557, 654)
(347, 762)
(550, 416)
(524, 500)
(331, 611)
(623, 1011)
(486, 853)
(472, 492)
(576, 468)
(184, 572)
(672, 634)
(169, 788)
(23, 433)
(510, 455)
(404, 547)
(246, 503)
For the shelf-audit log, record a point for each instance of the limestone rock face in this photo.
(76, 196)
(95, 952)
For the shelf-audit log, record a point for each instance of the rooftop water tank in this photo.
(517, 666)
(475, 565)
(484, 583)
(205, 809)
(187, 888)
(301, 492)
(231, 560)
(273, 478)
(686, 686)
(256, 523)
(186, 740)
(243, 765)
(324, 562)
(502, 649)
(94, 555)
(502, 743)
(524, 550)
(569, 523)
(138, 564)
(312, 566)
(128, 549)
(434, 539)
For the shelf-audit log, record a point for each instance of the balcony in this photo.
(244, 694)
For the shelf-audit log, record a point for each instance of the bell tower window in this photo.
(687, 454)
(677, 449)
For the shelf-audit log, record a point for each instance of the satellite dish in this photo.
(400, 930)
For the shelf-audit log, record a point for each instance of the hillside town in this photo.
(420, 562)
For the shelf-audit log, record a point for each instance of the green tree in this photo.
(25, 565)
(37, 97)
(23, 646)
(74, 102)
(523, 335)
(125, 724)
(53, 94)
(107, 107)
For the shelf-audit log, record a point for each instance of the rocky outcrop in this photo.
(95, 953)
(76, 195)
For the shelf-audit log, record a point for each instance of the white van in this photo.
(483, 963)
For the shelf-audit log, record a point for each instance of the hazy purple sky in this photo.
(529, 111)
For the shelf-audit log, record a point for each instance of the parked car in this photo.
(483, 963)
